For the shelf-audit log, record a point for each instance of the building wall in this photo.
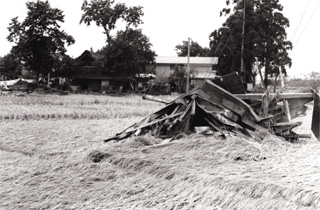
(163, 71)
(105, 85)
(94, 85)
(204, 69)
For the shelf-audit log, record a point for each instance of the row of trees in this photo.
(40, 42)
(254, 30)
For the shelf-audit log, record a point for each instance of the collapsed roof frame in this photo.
(211, 106)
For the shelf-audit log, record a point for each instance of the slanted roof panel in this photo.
(86, 53)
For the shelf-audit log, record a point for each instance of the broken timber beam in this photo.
(257, 96)
(213, 92)
(155, 99)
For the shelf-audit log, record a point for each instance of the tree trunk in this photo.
(107, 32)
(37, 79)
(266, 72)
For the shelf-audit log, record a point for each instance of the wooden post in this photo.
(188, 68)
(286, 103)
(261, 77)
(281, 79)
(265, 104)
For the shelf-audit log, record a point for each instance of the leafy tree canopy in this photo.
(128, 54)
(264, 37)
(129, 51)
(64, 66)
(195, 49)
(12, 67)
(106, 13)
(39, 36)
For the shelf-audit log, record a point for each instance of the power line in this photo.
(225, 44)
(301, 20)
(314, 11)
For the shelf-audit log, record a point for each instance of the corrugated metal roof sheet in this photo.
(184, 60)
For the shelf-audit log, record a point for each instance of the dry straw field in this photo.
(53, 157)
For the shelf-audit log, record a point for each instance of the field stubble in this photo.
(34, 107)
(63, 164)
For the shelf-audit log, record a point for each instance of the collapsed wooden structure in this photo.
(210, 108)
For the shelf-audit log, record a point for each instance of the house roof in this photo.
(184, 60)
(86, 53)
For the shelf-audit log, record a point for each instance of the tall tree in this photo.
(195, 49)
(106, 13)
(129, 51)
(264, 37)
(128, 54)
(39, 37)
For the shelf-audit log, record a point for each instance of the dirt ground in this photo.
(64, 164)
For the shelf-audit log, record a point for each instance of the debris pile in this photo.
(157, 88)
(209, 109)
(21, 85)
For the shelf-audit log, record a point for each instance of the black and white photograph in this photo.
(159, 105)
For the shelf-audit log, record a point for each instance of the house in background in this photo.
(202, 66)
(88, 77)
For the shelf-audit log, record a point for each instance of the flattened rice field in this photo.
(52, 157)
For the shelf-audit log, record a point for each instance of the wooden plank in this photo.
(297, 106)
(306, 136)
(154, 98)
(225, 99)
(286, 105)
(265, 104)
(154, 122)
(258, 96)
(285, 126)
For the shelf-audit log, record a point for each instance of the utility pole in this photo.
(188, 67)
(242, 44)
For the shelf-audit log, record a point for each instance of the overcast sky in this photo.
(169, 22)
